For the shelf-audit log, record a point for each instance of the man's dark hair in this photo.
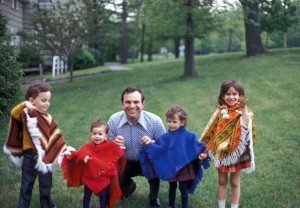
(131, 90)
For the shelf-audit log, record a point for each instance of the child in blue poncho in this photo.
(176, 156)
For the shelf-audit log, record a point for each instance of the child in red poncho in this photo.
(96, 165)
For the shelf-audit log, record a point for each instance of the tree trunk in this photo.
(136, 25)
(123, 51)
(70, 64)
(267, 40)
(189, 62)
(230, 39)
(150, 48)
(176, 47)
(285, 45)
(143, 42)
(254, 44)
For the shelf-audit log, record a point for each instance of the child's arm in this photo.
(17, 111)
(245, 114)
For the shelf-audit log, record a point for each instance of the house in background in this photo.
(18, 14)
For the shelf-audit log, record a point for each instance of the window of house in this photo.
(15, 40)
(14, 4)
(45, 1)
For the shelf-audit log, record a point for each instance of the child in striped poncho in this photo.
(229, 139)
(35, 142)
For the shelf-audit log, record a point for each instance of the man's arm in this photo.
(112, 134)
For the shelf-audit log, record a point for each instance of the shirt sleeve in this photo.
(16, 112)
(112, 130)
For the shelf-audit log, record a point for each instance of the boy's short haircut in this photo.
(176, 110)
(100, 123)
(36, 88)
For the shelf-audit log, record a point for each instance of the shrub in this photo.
(28, 56)
(84, 59)
(10, 72)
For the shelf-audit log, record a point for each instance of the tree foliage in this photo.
(60, 30)
(277, 15)
(10, 73)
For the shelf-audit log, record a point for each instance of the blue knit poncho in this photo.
(170, 153)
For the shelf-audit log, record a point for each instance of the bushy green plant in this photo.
(10, 73)
(28, 56)
(84, 59)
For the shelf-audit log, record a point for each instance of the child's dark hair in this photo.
(131, 90)
(36, 88)
(99, 123)
(177, 110)
(225, 87)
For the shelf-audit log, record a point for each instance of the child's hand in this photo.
(87, 158)
(202, 156)
(67, 153)
(119, 140)
(29, 105)
(147, 140)
(243, 101)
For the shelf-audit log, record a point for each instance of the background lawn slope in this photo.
(272, 85)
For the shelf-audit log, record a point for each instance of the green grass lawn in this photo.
(272, 86)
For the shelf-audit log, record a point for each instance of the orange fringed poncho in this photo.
(100, 171)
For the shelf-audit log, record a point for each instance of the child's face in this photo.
(98, 134)
(231, 97)
(42, 101)
(174, 123)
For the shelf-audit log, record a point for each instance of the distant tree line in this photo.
(131, 29)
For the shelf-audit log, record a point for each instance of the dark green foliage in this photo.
(28, 56)
(10, 73)
(84, 59)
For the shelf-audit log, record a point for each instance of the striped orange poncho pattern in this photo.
(228, 139)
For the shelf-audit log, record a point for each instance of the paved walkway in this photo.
(111, 67)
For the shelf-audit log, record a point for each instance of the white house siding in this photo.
(14, 16)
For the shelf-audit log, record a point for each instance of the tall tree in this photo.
(277, 15)
(189, 62)
(143, 42)
(60, 30)
(123, 51)
(254, 44)
(98, 22)
(176, 20)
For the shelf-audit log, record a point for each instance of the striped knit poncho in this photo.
(230, 141)
(43, 134)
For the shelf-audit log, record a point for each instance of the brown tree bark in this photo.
(150, 48)
(176, 47)
(143, 42)
(123, 51)
(254, 44)
(189, 61)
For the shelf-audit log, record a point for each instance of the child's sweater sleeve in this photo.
(16, 112)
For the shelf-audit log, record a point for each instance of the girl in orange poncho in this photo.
(229, 139)
(96, 165)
